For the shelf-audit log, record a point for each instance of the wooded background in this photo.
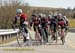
(8, 11)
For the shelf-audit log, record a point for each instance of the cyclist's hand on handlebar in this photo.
(13, 26)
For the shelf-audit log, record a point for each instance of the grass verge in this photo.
(71, 23)
(18, 49)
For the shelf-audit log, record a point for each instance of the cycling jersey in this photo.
(53, 21)
(44, 22)
(22, 18)
(61, 22)
(35, 22)
(53, 24)
(49, 21)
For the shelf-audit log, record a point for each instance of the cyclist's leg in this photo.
(35, 30)
(24, 39)
(62, 32)
(43, 35)
(66, 30)
(46, 34)
(23, 32)
(49, 30)
(54, 31)
(36, 33)
(39, 30)
(40, 35)
(59, 30)
(62, 35)
(26, 36)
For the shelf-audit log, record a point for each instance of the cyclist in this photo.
(49, 21)
(22, 17)
(40, 27)
(35, 22)
(66, 23)
(53, 26)
(61, 23)
(44, 24)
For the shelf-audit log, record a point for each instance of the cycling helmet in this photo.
(65, 18)
(19, 11)
(44, 16)
(56, 13)
(41, 15)
(34, 14)
(49, 16)
(59, 14)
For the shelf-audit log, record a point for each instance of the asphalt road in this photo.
(51, 47)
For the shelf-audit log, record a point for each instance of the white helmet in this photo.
(65, 18)
(56, 13)
(41, 14)
(59, 14)
(44, 16)
(50, 16)
(18, 11)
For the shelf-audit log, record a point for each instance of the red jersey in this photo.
(23, 16)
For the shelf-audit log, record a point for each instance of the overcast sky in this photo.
(51, 3)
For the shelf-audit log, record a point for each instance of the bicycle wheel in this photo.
(18, 39)
(21, 39)
(63, 38)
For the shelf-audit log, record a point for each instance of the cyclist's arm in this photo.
(31, 22)
(15, 21)
(67, 22)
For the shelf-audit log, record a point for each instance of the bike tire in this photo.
(18, 40)
(63, 40)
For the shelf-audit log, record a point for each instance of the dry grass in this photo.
(71, 23)
(18, 49)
